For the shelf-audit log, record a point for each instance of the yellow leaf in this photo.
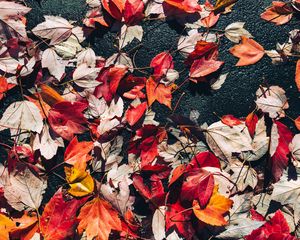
(6, 224)
(221, 5)
(213, 213)
(81, 183)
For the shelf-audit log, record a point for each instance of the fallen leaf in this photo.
(235, 31)
(66, 119)
(230, 120)
(202, 67)
(24, 190)
(23, 115)
(272, 100)
(81, 183)
(58, 220)
(77, 153)
(279, 13)
(248, 51)
(189, 6)
(221, 5)
(53, 63)
(158, 92)
(6, 225)
(158, 223)
(213, 213)
(55, 28)
(97, 218)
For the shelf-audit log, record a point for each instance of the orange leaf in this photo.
(297, 123)
(249, 52)
(26, 226)
(49, 95)
(98, 218)
(159, 92)
(202, 67)
(189, 6)
(6, 224)
(213, 213)
(251, 121)
(279, 13)
(297, 77)
(114, 7)
(230, 120)
(77, 153)
(177, 173)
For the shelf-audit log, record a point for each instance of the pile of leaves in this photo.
(126, 175)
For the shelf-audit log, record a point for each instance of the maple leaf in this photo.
(133, 11)
(248, 51)
(23, 115)
(235, 31)
(272, 100)
(295, 150)
(49, 95)
(110, 79)
(58, 220)
(114, 7)
(213, 213)
(202, 67)
(77, 153)
(55, 28)
(281, 137)
(53, 63)
(159, 92)
(24, 190)
(66, 119)
(188, 6)
(161, 63)
(276, 228)
(179, 218)
(279, 13)
(135, 112)
(26, 226)
(97, 218)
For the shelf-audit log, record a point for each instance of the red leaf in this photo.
(134, 114)
(77, 152)
(203, 49)
(203, 159)
(133, 12)
(179, 218)
(156, 193)
(159, 92)
(251, 121)
(58, 220)
(279, 153)
(161, 63)
(177, 173)
(110, 79)
(277, 226)
(202, 67)
(230, 120)
(66, 119)
(114, 8)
